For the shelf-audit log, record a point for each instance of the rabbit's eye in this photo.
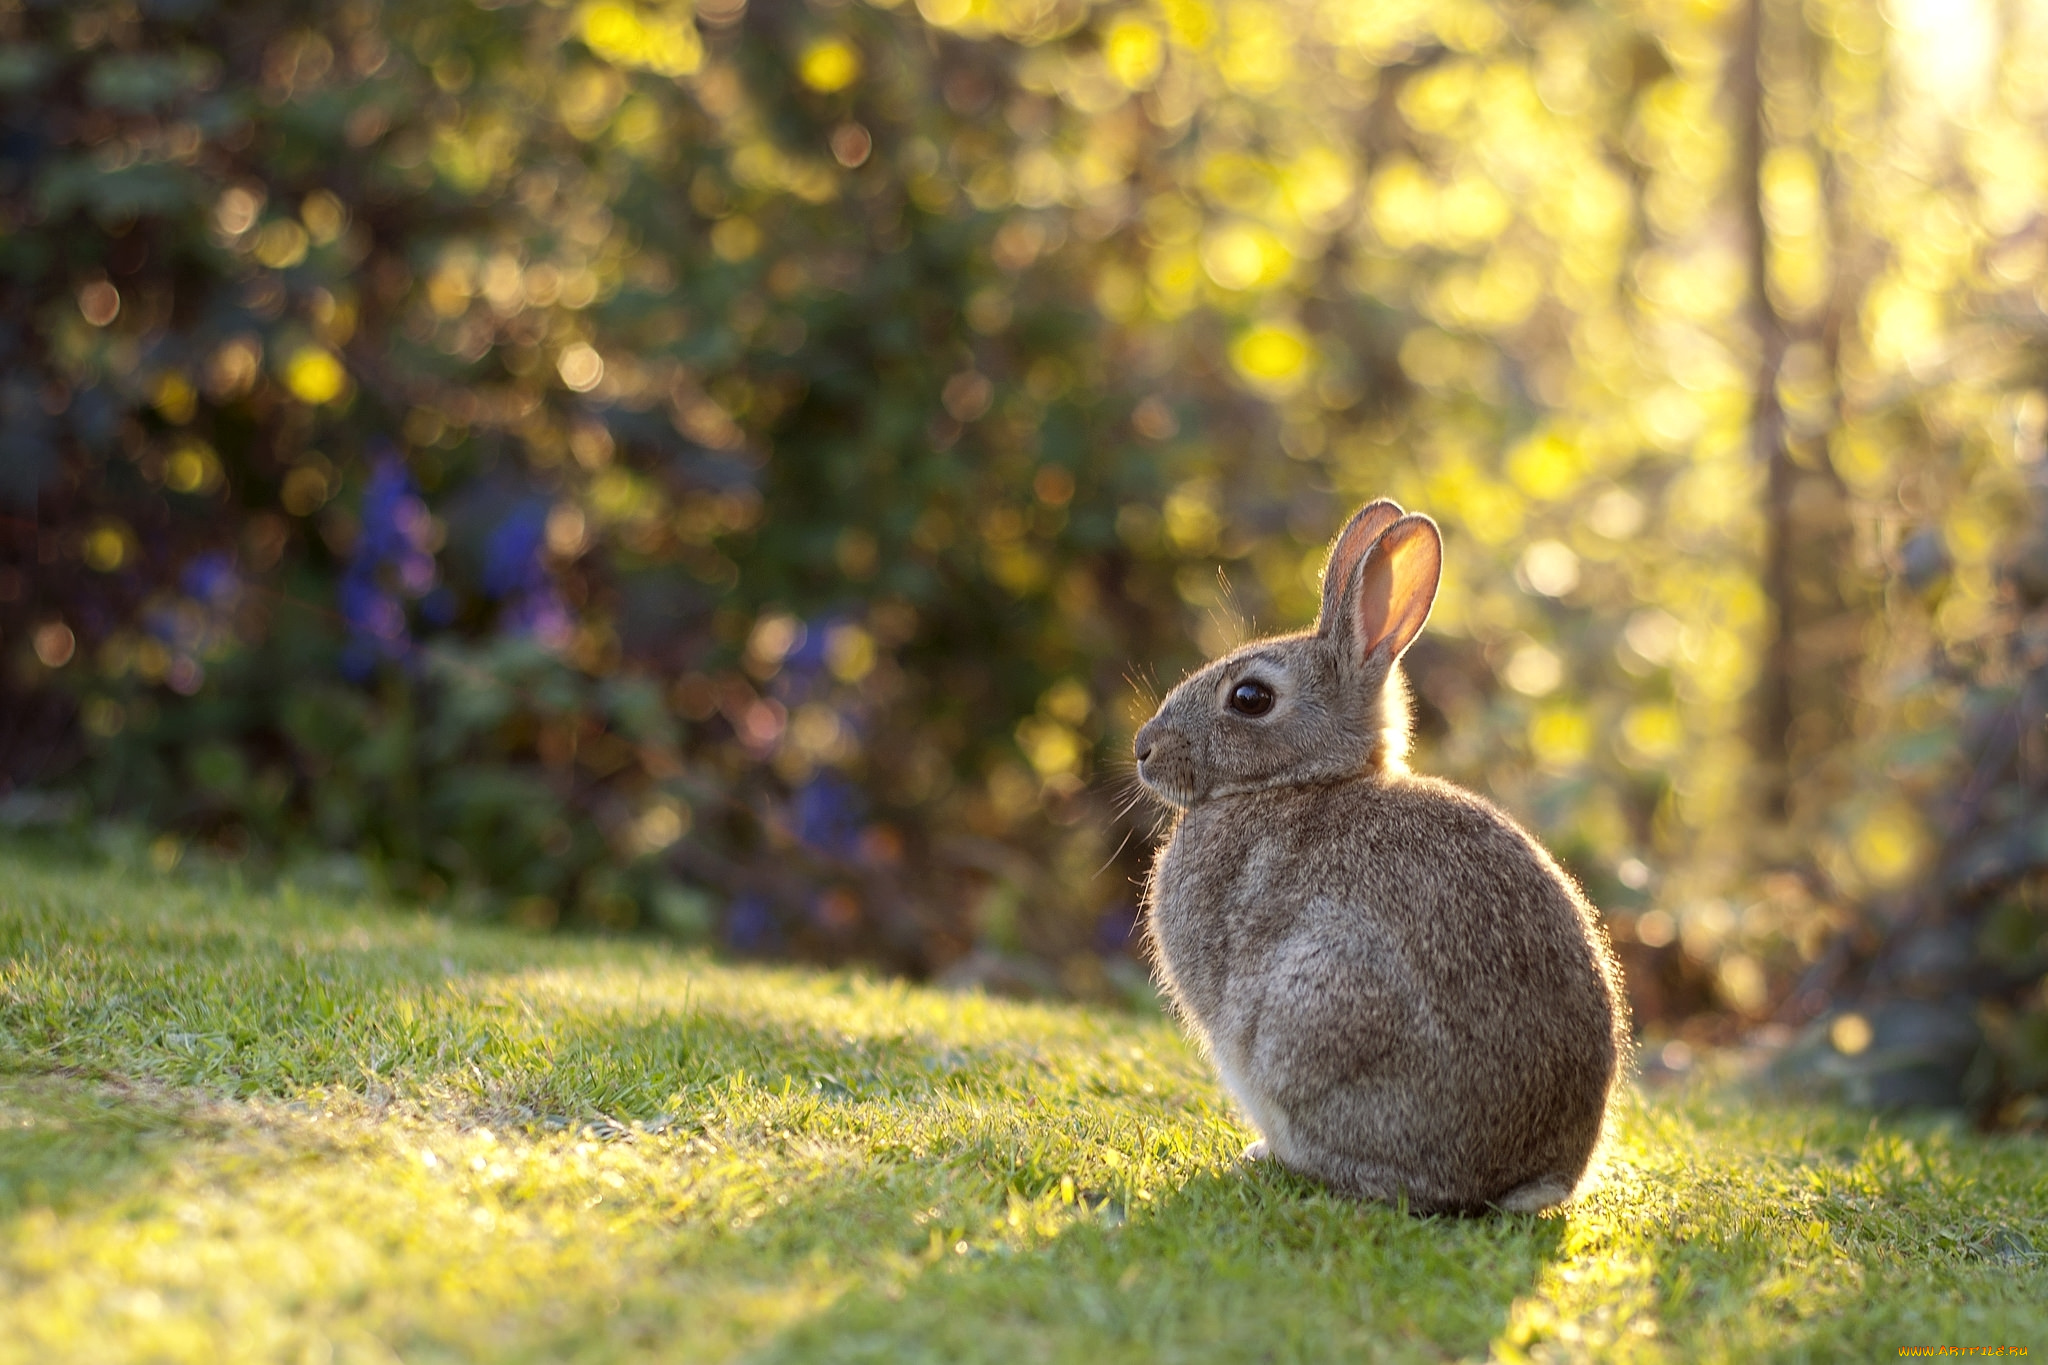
(1251, 698)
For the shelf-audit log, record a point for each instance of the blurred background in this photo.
(742, 471)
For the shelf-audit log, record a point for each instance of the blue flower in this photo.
(808, 658)
(391, 562)
(542, 616)
(437, 608)
(750, 925)
(211, 578)
(512, 562)
(516, 574)
(826, 814)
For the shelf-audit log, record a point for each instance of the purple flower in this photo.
(391, 562)
(370, 610)
(512, 562)
(826, 814)
(542, 616)
(395, 521)
(516, 575)
(163, 623)
(211, 578)
(437, 608)
(808, 658)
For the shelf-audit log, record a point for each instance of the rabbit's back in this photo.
(1390, 967)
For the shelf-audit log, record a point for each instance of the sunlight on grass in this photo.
(261, 1127)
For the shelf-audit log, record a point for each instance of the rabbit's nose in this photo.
(1142, 744)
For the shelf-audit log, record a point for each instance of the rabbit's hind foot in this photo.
(1544, 1192)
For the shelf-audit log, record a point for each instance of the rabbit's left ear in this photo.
(1395, 587)
(1359, 533)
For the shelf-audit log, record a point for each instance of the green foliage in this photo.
(436, 768)
(1958, 985)
(241, 1126)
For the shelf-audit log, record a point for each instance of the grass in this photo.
(275, 1127)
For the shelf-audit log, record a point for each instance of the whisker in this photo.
(1146, 688)
(1114, 856)
(1238, 625)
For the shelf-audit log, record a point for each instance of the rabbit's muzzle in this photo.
(1166, 763)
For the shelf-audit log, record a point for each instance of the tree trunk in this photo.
(1775, 692)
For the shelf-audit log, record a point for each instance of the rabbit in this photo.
(1407, 997)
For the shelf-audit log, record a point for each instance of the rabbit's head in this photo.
(1319, 706)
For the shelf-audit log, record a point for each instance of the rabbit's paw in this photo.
(1257, 1152)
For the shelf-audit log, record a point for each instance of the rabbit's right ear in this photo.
(1393, 590)
(1346, 550)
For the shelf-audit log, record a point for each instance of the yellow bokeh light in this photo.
(829, 65)
(1402, 205)
(1889, 844)
(1743, 983)
(1068, 700)
(849, 653)
(315, 376)
(1471, 212)
(1236, 181)
(1850, 1034)
(281, 244)
(1546, 466)
(580, 366)
(735, 239)
(1533, 670)
(1258, 53)
(620, 34)
(946, 13)
(325, 217)
(586, 98)
(1175, 273)
(1905, 324)
(1134, 53)
(660, 825)
(1318, 185)
(1192, 523)
(1560, 736)
(1190, 23)
(1653, 732)
(1241, 256)
(106, 547)
(1052, 748)
(193, 467)
(1273, 357)
(174, 398)
(1435, 100)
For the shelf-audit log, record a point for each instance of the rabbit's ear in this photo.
(1346, 550)
(1396, 588)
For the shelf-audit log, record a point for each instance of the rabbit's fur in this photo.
(1402, 990)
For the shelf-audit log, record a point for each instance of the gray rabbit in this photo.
(1402, 990)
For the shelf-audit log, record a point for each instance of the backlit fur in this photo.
(1402, 990)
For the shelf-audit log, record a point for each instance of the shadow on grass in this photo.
(1256, 1266)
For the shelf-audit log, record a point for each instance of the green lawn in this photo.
(274, 1127)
